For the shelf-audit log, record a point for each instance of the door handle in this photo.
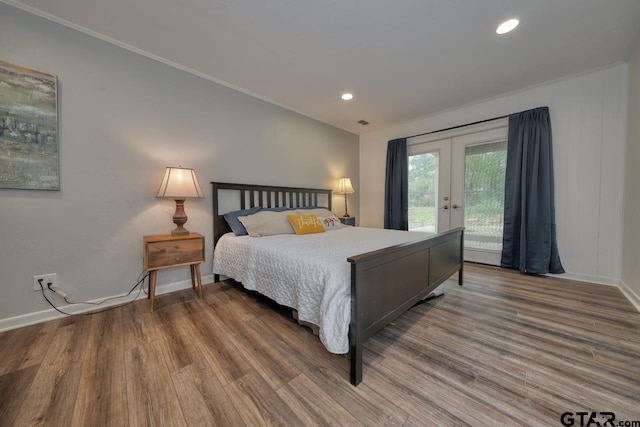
(454, 206)
(445, 207)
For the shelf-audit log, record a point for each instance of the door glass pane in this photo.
(484, 179)
(423, 192)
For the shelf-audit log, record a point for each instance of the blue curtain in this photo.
(529, 240)
(396, 190)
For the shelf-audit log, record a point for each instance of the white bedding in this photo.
(307, 272)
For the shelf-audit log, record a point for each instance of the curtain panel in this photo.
(529, 241)
(396, 190)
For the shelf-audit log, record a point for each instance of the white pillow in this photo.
(267, 223)
(330, 222)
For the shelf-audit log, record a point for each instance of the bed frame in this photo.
(384, 283)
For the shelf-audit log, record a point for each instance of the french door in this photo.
(458, 181)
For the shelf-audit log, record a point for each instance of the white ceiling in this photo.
(402, 59)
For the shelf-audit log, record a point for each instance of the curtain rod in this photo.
(459, 126)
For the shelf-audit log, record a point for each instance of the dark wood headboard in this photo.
(265, 196)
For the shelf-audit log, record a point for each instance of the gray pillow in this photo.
(235, 224)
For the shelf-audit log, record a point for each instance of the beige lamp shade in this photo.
(179, 183)
(344, 186)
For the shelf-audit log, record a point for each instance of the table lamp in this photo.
(179, 184)
(345, 187)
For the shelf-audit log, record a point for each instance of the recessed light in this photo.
(347, 96)
(507, 26)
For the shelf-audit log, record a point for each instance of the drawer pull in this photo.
(162, 251)
(176, 247)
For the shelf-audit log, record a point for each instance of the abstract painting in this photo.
(28, 129)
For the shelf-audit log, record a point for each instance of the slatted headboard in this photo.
(266, 196)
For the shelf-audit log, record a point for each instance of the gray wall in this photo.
(123, 118)
(631, 242)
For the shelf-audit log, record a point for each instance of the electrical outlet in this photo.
(46, 278)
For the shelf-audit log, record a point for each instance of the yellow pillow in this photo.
(306, 224)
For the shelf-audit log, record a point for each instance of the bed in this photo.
(371, 288)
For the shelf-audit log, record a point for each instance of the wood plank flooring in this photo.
(504, 349)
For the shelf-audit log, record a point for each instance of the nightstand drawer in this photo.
(175, 252)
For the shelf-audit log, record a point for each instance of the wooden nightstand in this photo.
(348, 220)
(166, 251)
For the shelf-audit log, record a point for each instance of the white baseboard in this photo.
(598, 280)
(631, 295)
(50, 314)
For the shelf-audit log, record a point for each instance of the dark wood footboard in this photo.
(387, 282)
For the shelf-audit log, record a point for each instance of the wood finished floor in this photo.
(504, 349)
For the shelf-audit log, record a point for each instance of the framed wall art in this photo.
(28, 129)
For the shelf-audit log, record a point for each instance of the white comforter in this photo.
(308, 272)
